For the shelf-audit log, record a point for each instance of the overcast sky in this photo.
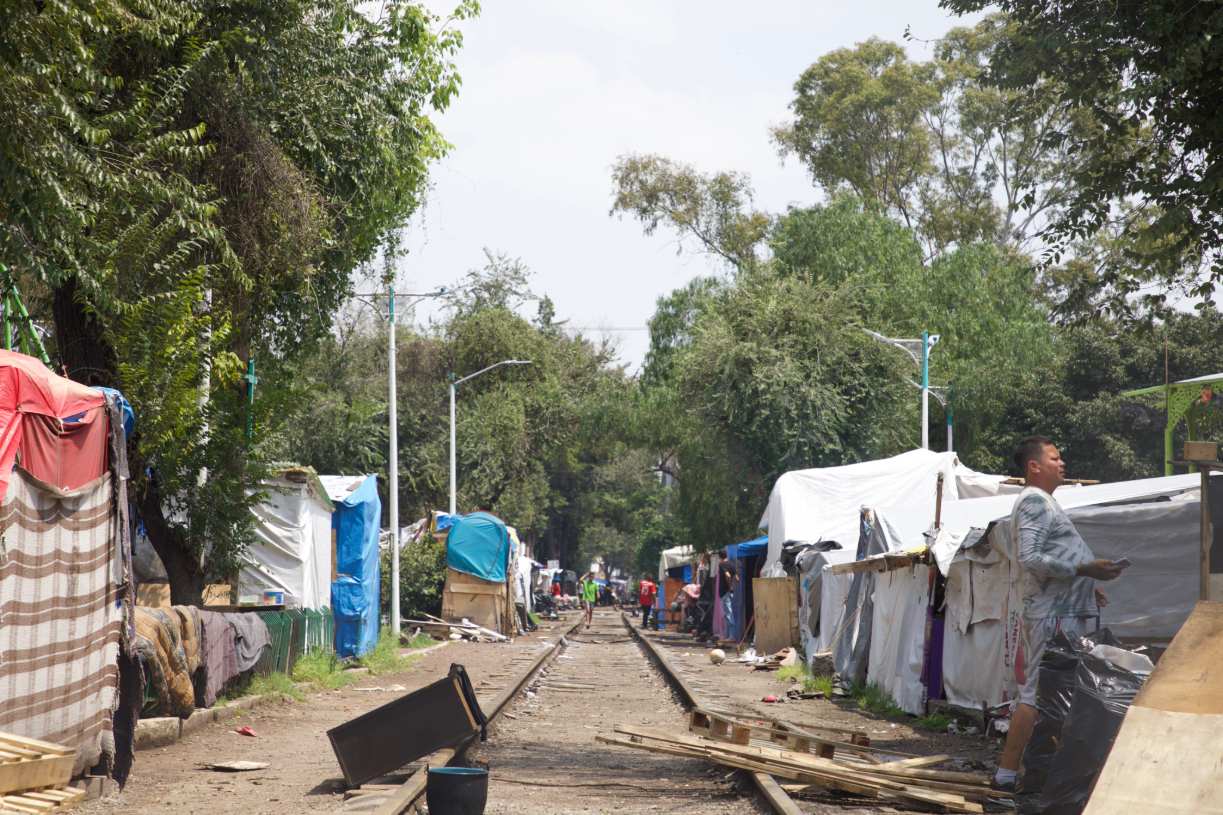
(555, 90)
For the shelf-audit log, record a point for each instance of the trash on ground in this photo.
(246, 731)
(237, 766)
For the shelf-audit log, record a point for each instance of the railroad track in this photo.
(494, 692)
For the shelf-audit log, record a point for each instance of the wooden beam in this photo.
(775, 795)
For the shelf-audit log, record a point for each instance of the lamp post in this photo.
(453, 385)
(393, 420)
(913, 348)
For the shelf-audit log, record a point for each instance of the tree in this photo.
(716, 210)
(955, 159)
(1149, 74)
(195, 184)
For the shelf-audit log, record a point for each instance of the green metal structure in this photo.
(1185, 399)
(15, 311)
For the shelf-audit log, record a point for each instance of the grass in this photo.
(823, 684)
(935, 721)
(421, 641)
(274, 682)
(384, 658)
(320, 670)
(799, 672)
(875, 699)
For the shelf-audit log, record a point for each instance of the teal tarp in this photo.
(478, 544)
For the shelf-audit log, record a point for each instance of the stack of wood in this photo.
(34, 776)
(840, 760)
(437, 627)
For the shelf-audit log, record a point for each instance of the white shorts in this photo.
(588, 605)
(1036, 634)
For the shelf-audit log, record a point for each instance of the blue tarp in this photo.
(753, 547)
(479, 545)
(445, 520)
(354, 595)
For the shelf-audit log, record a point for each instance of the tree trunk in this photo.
(187, 579)
(81, 349)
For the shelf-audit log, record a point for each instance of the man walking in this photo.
(590, 591)
(646, 593)
(1057, 583)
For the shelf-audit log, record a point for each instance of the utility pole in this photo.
(393, 420)
(453, 385)
(913, 348)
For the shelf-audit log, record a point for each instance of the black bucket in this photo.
(456, 791)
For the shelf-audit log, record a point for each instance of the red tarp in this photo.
(33, 403)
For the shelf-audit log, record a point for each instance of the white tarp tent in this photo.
(672, 558)
(294, 550)
(1156, 525)
(824, 503)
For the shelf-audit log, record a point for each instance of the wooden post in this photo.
(938, 502)
(1204, 576)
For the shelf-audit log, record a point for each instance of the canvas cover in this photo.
(64, 597)
(294, 550)
(898, 640)
(673, 558)
(355, 592)
(479, 545)
(822, 504)
(28, 390)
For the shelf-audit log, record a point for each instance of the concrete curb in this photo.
(163, 731)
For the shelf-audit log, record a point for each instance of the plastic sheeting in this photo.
(355, 592)
(852, 638)
(821, 596)
(479, 545)
(898, 642)
(823, 503)
(673, 558)
(293, 554)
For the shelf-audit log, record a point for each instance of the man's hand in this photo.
(1100, 570)
(1101, 597)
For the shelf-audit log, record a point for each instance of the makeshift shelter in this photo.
(1199, 401)
(972, 655)
(822, 504)
(478, 553)
(66, 587)
(356, 578)
(294, 552)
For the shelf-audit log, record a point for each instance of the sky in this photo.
(555, 90)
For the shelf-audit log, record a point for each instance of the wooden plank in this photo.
(403, 797)
(44, 747)
(496, 589)
(1190, 673)
(48, 771)
(775, 795)
(772, 607)
(920, 761)
(1162, 763)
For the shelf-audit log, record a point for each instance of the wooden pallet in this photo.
(30, 764)
(41, 802)
(737, 730)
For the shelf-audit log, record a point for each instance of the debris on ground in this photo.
(237, 766)
(785, 750)
(246, 731)
(783, 658)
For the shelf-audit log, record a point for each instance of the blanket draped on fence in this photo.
(159, 642)
(218, 659)
(252, 637)
(63, 601)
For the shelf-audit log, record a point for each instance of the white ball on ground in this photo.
(717, 656)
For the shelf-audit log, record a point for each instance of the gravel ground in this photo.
(303, 776)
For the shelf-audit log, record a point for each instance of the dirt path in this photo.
(304, 776)
(601, 680)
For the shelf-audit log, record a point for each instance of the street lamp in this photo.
(913, 348)
(394, 428)
(945, 402)
(453, 385)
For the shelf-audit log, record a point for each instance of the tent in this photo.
(478, 554)
(66, 587)
(356, 578)
(972, 656)
(822, 504)
(294, 552)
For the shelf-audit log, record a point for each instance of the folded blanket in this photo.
(159, 643)
(250, 638)
(218, 658)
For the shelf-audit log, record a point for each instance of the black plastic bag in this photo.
(1102, 694)
(1054, 694)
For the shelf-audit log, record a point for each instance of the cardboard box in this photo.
(1201, 451)
(153, 595)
